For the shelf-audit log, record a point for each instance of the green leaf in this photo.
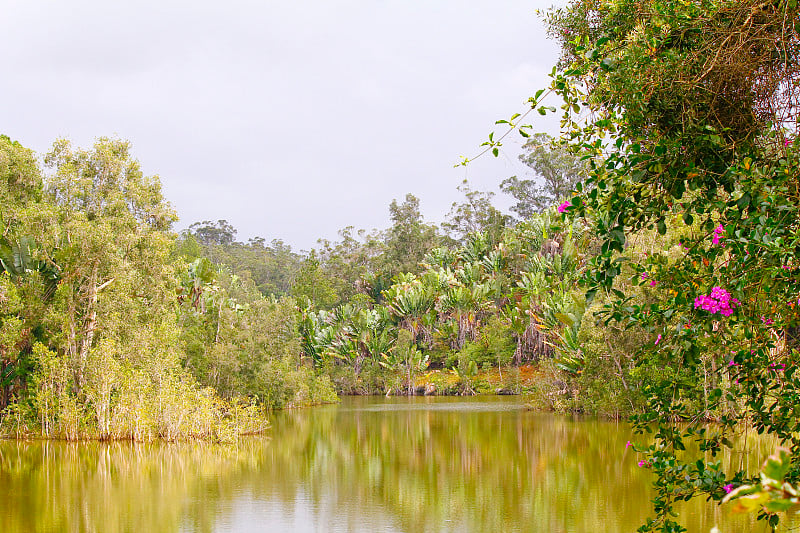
(777, 466)
(564, 318)
(744, 201)
(778, 506)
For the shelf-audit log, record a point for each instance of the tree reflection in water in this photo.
(399, 464)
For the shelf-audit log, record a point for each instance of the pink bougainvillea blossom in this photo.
(563, 207)
(719, 301)
(719, 230)
(658, 339)
(728, 488)
(653, 282)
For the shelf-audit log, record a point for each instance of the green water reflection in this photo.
(399, 464)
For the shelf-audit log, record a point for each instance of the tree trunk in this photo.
(219, 320)
(91, 322)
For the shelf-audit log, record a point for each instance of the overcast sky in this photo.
(289, 119)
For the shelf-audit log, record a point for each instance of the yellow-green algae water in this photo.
(366, 465)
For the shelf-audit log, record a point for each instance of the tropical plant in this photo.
(406, 358)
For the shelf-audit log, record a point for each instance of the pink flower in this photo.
(767, 321)
(653, 283)
(628, 445)
(728, 488)
(658, 339)
(719, 230)
(644, 464)
(787, 142)
(719, 301)
(563, 207)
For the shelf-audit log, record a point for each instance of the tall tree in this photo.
(475, 214)
(27, 278)
(113, 251)
(210, 233)
(314, 285)
(271, 266)
(352, 261)
(556, 169)
(409, 239)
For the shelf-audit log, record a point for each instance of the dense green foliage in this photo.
(100, 319)
(114, 327)
(665, 286)
(479, 305)
(686, 112)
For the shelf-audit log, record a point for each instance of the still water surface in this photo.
(366, 465)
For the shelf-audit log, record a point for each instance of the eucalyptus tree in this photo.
(408, 239)
(208, 233)
(20, 182)
(315, 284)
(113, 248)
(475, 215)
(88, 265)
(353, 262)
(272, 265)
(557, 169)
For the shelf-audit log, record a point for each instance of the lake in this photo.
(482, 464)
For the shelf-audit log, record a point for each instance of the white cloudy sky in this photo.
(289, 119)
